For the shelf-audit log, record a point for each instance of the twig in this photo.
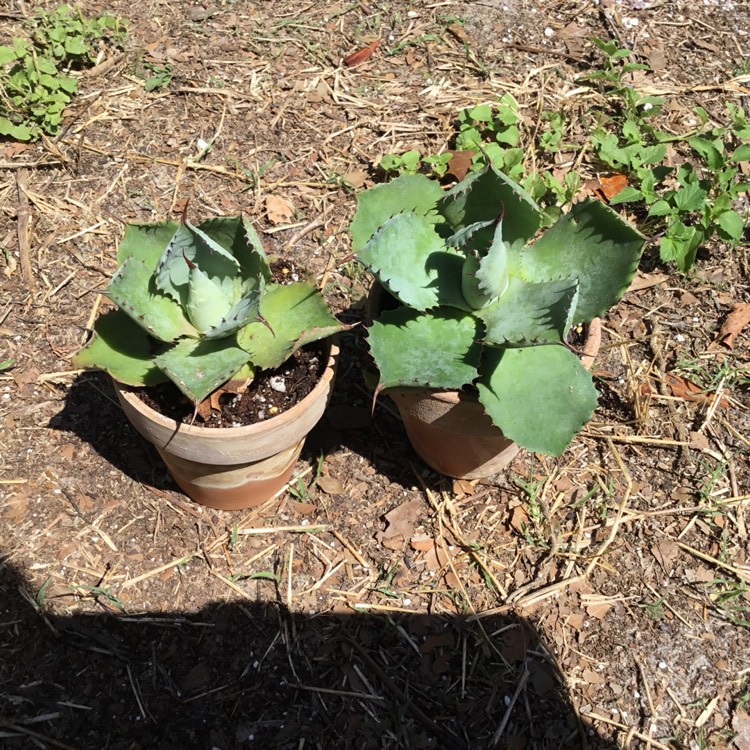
(23, 229)
(524, 677)
(450, 739)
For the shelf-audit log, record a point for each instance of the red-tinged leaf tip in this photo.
(191, 265)
(363, 55)
(183, 218)
(375, 398)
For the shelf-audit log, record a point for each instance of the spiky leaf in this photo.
(239, 237)
(190, 245)
(424, 349)
(242, 313)
(530, 312)
(593, 244)
(146, 242)
(206, 302)
(488, 195)
(296, 314)
(133, 290)
(199, 366)
(484, 275)
(539, 396)
(375, 206)
(411, 261)
(123, 349)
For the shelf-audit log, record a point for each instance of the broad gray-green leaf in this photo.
(488, 195)
(531, 312)
(424, 349)
(190, 243)
(123, 349)
(539, 396)
(592, 244)
(492, 275)
(239, 237)
(146, 242)
(199, 366)
(206, 303)
(411, 261)
(296, 315)
(375, 206)
(133, 290)
(242, 313)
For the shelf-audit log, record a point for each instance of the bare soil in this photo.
(598, 600)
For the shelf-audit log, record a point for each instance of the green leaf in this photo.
(492, 274)
(121, 348)
(378, 204)
(76, 46)
(412, 262)
(239, 237)
(20, 132)
(731, 222)
(199, 366)
(539, 396)
(531, 312)
(207, 304)
(488, 195)
(627, 195)
(680, 244)
(593, 245)
(191, 243)
(653, 154)
(7, 54)
(660, 208)
(442, 348)
(296, 315)
(690, 197)
(133, 290)
(741, 153)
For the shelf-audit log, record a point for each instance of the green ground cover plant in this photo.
(679, 202)
(36, 81)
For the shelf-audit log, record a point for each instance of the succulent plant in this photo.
(484, 302)
(196, 305)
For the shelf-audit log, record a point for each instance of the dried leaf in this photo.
(665, 551)
(737, 319)
(279, 210)
(593, 678)
(598, 609)
(688, 391)
(607, 187)
(331, 485)
(519, 520)
(460, 163)
(741, 725)
(646, 281)
(363, 55)
(422, 542)
(458, 30)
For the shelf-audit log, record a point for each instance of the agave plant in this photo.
(196, 305)
(484, 302)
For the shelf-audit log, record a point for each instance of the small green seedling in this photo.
(36, 71)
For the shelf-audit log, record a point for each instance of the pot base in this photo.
(235, 486)
(452, 434)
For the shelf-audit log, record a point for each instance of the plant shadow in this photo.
(253, 674)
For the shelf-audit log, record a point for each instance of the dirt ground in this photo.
(598, 600)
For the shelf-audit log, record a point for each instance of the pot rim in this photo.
(222, 433)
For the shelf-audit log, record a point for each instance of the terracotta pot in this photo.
(232, 467)
(451, 432)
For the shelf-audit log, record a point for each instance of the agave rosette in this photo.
(196, 305)
(485, 302)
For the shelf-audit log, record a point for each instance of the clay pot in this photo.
(451, 432)
(230, 468)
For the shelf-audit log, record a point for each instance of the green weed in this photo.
(35, 70)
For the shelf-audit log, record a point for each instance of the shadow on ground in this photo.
(252, 674)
